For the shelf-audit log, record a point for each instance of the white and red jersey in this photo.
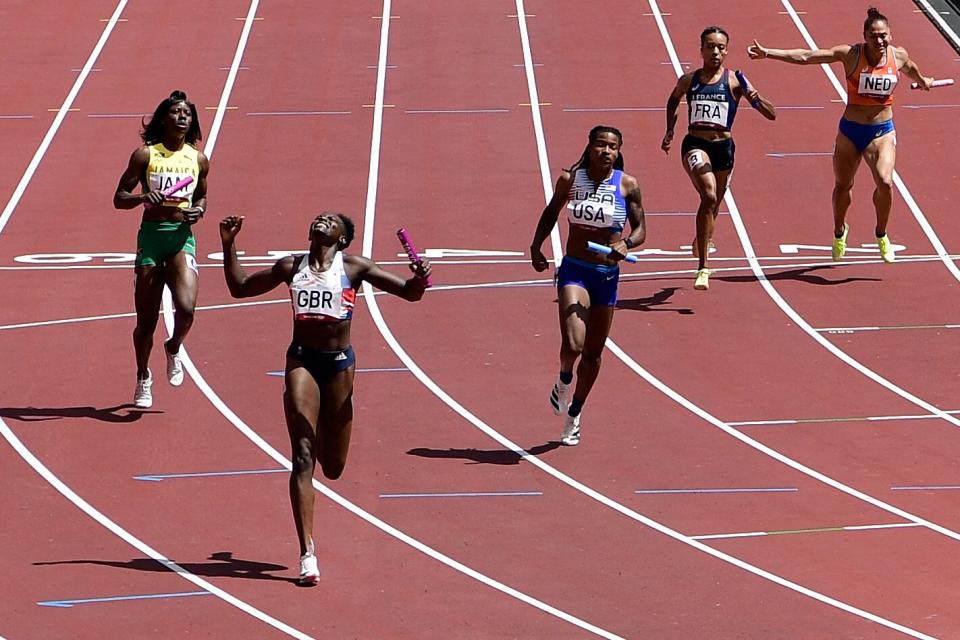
(328, 296)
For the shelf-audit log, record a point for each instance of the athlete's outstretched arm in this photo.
(410, 289)
(548, 218)
(240, 284)
(756, 51)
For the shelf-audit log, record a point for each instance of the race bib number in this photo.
(709, 112)
(696, 160)
(877, 85)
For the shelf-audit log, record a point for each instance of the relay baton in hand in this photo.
(172, 189)
(605, 250)
(946, 82)
(746, 87)
(411, 250)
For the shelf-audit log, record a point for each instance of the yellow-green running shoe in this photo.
(840, 244)
(886, 248)
(702, 283)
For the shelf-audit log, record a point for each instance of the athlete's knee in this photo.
(885, 184)
(591, 358)
(303, 460)
(571, 345)
(709, 200)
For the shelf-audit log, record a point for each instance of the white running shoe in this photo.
(571, 431)
(142, 397)
(560, 397)
(309, 571)
(174, 367)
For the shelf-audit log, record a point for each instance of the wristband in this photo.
(627, 241)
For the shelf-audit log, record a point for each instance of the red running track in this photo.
(459, 166)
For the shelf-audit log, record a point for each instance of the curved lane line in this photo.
(550, 470)
(901, 186)
(18, 445)
(329, 493)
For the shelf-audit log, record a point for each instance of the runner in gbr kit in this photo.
(166, 248)
(707, 151)
(599, 199)
(872, 69)
(318, 398)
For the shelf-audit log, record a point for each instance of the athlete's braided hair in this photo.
(584, 160)
(713, 29)
(873, 15)
(153, 130)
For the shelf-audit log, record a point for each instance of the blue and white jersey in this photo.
(600, 206)
(711, 106)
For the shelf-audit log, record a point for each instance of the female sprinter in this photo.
(707, 151)
(166, 248)
(599, 199)
(318, 399)
(872, 69)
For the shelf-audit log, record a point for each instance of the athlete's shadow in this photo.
(803, 275)
(43, 414)
(483, 456)
(225, 566)
(658, 299)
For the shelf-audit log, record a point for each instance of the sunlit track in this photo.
(897, 180)
(771, 291)
(412, 365)
(196, 376)
(30, 458)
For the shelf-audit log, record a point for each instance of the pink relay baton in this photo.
(946, 82)
(172, 189)
(411, 250)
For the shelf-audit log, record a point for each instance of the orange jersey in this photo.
(873, 86)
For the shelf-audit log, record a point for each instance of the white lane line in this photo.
(943, 24)
(901, 186)
(61, 114)
(135, 542)
(888, 328)
(368, 229)
(31, 459)
(467, 415)
(262, 444)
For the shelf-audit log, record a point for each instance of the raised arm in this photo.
(548, 218)
(240, 284)
(410, 289)
(839, 53)
(673, 104)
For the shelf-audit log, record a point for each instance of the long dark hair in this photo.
(584, 161)
(153, 130)
(873, 15)
(713, 29)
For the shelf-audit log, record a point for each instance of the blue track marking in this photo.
(157, 477)
(476, 494)
(722, 490)
(279, 374)
(66, 604)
